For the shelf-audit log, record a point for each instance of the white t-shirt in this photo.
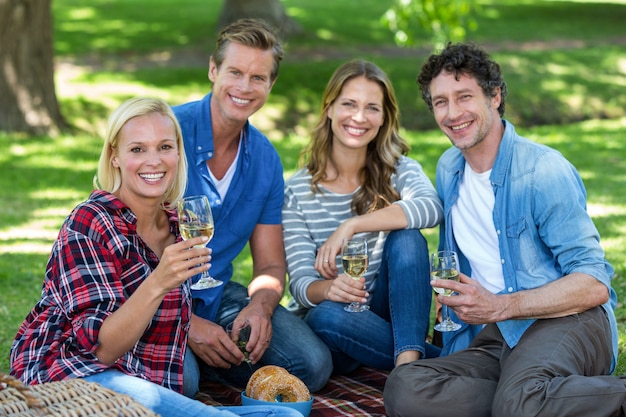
(474, 232)
(223, 184)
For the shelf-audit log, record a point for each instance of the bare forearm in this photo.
(268, 286)
(389, 218)
(269, 266)
(571, 294)
(317, 291)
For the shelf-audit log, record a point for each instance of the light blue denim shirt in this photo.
(540, 216)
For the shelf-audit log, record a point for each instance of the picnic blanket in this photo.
(358, 394)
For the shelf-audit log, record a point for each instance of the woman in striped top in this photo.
(358, 180)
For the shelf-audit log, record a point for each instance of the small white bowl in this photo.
(303, 407)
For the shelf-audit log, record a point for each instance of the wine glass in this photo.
(195, 219)
(354, 259)
(445, 265)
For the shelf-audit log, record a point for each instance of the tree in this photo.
(28, 101)
(272, 11)
(446, 20)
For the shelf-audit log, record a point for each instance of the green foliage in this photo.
(563, 77)
(446, 20)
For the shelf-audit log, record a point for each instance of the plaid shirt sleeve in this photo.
(97, 262)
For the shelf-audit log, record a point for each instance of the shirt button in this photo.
(218, 202)
(498, 231)
(209, 154)
(510, 289)
(199, 148)
(502, 261)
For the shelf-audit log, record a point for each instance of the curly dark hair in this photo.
(463, 59)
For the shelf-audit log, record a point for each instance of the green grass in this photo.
(564, 73)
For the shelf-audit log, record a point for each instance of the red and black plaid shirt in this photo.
(97, 262)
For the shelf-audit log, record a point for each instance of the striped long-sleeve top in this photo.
(310, 218)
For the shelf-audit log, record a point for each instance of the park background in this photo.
(564, 62)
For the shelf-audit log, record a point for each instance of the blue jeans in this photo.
(293, 346)
(399, 316)
(168, 403)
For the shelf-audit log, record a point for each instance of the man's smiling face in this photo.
(462, 110)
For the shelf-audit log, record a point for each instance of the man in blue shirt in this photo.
(539, 335)
(238, 169)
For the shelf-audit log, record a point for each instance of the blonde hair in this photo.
(383, 152)
(109, 178)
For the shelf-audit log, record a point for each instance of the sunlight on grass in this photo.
(38, 233)
(600, 210)
(565, 70)
(63, 194)
(82, 13)
(591, 1)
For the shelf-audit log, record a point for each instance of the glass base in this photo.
(206, 282)
(447, 326)
(356, 307)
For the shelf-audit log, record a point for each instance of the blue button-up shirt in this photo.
(543, 228)
(255, 195)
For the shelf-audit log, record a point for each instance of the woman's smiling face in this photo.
(147, 157)
(357, 114)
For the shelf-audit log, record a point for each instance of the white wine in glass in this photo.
(354, 259)
(445, 265)
(195, 219)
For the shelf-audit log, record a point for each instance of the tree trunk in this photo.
(272, 11)
(28, 101)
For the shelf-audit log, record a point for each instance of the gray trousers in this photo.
(559, 368)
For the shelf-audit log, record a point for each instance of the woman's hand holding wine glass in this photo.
(354, 259)
(195, 219)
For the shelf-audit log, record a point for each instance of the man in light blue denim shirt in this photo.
(539, 336)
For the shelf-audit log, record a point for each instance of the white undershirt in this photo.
(474, 232)
(223, 184)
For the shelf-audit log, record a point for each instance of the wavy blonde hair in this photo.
(383, 152)
(109, 178)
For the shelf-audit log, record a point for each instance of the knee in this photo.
(315, 366)
(406, 240)
(393, 394)
(320, 367)
(406, 250)
(324, 316)
(309, 359)
(501, 407)
(520, 401)
(400, 396)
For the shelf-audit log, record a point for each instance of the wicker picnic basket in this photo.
(70, 398)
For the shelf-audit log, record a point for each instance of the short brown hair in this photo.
(253, 33)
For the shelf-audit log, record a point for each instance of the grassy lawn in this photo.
(563, 71)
